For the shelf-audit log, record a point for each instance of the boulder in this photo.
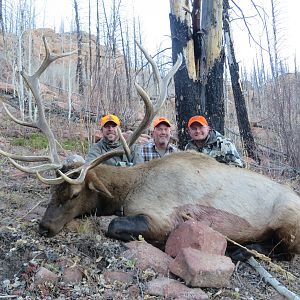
(201, 269)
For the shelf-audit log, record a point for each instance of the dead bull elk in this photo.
(157, 196)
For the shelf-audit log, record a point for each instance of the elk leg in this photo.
(128, 228)
(278, 253)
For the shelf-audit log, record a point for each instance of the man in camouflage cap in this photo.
(110, 140)
(211, 142)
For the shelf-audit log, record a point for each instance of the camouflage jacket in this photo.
(219, 147)
(103, 146)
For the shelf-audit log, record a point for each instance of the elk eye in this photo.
(74, 196)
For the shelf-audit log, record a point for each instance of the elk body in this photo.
(157, 196)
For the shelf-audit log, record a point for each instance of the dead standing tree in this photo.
(199, 83)
(79, 70)
(239, 99)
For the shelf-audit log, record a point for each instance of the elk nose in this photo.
(44, 231)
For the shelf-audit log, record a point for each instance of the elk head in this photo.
(78, 190)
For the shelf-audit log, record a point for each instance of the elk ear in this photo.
(97, 185)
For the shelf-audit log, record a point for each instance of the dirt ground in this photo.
(23, 200)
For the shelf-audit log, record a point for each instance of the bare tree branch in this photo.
(247, 26)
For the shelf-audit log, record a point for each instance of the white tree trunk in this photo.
(20, 86)
(70, 82)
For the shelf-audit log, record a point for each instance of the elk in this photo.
(157, 196)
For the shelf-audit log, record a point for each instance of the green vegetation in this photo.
(130, 263)
(35, 140)
(75, 145)
(39, 141)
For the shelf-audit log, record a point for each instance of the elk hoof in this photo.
(128, 228)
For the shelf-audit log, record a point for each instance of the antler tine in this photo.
(49, 58)
(49, 181)
(162, 83)
(152, 63)
(58, 180)
(149, 115)
(34, 169)
(25, 158)
(165, 82)
(20, 122)
(124, 144)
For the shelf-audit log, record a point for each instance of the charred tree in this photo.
(199, 82)
(239, 99)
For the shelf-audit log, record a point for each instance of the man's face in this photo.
(161, 135)
(198, 132)
(110, 131)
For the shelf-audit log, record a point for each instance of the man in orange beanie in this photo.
(160, 145)
(206, 140)
(110, 140)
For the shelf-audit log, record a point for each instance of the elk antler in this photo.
(32, 82)
(150, 113)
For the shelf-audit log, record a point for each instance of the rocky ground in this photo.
(101, 271)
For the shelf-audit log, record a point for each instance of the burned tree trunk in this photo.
(187, 87)
(199, 82)
(239, 99)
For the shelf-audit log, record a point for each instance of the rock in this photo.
(72, 274)
(196, 235)
(148, 256)
(201, 269)
(111, 276)
(44, 275)
(167, 287)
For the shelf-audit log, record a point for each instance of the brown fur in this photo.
(241, 204)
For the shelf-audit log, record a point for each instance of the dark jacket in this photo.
(103, 146)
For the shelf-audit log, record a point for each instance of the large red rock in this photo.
(201, 269)
(196, 235)
(147, 256)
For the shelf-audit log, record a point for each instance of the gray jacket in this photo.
(219, 147)
(103, 146)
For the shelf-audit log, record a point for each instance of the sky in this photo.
(153, 16)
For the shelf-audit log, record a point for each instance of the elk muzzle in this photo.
(49, 229)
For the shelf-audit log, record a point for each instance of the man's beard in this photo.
(163, 140)
(200, 138)
(111, 137)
